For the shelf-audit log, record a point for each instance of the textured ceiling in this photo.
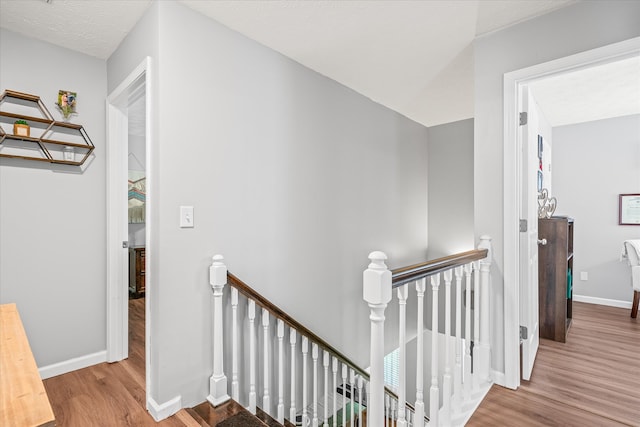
(415, 57)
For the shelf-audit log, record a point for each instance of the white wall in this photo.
(594, 162)
(450, 169)
(576, 28)
(294, 179)
(52, 245)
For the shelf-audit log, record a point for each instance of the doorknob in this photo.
(542, 242)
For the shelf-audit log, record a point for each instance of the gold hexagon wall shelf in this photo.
(45, 139)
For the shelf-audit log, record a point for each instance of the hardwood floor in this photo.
(591, 380)
(110, 394)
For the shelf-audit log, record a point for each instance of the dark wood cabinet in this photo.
(555, 277)
(137, 271)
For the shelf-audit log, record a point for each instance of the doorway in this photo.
(513, 256)
(129, 219)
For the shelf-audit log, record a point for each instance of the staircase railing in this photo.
(339, 372)
(465, 378)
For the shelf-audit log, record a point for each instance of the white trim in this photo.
(161, 411)
(511, 193)
(498, 378)
(117, 259)
(602, 301)
(117, 297)
(72, 364)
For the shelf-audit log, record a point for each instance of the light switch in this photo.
(186, 216)
(584, 275)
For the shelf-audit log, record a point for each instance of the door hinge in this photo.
(523, 225)
(524, 333)
(524, 118)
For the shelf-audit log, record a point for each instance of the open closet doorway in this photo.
(128, 223)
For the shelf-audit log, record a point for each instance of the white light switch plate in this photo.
(584, 275)
(186, 216)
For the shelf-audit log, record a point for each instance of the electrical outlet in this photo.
(186, 216)
(584, 275)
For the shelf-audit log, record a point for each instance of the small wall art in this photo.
(629, 209)
(67, 102)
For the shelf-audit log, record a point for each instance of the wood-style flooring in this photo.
(110, 394)
(591, 380)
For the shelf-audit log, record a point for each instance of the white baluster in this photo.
(434, 396)
(386, 410)
(266, 399)
(218, 381)
(235, 391)
(292, 342)
(325, 364)
(359, 382)
(393, 411)
(484, 346)
(314, 356)
(377, 293)
(344, 395)
(467, 334)
(446, 380)
(457, 373)
(421, 285)
(334, 368)
(352, 381)
(252, 357)
(476, 325)
(402, 356)
(305, 388)
(280, 371)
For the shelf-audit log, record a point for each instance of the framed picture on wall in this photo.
(629, 209)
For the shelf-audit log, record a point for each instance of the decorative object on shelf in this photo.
(546, 205)
(67, 103)
(21, 128)
(47, 140)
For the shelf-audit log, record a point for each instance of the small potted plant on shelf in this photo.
(21, 128)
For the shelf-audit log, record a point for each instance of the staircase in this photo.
(321, 386)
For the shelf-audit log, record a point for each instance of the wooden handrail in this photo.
(249, 292)
(403, 275)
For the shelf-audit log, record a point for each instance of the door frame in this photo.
(117, 222)
(511, 175)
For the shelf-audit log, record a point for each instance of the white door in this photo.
(528, 177)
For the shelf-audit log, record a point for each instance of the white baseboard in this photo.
(72, 364)
(602, 301)
(498, 378)
(161, 411)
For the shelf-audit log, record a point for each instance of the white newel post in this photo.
(377, 293)
(484, 347)
(218, 381)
